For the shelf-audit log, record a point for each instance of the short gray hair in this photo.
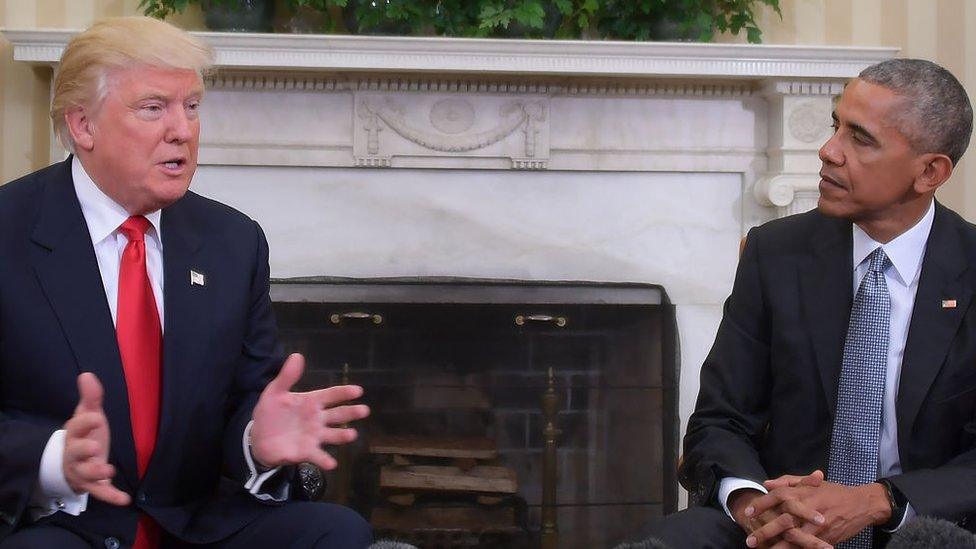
(937, 116)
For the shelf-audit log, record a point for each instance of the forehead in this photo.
(142, 80)
(869, 105)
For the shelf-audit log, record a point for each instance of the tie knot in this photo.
(879, 261)
(135, 228)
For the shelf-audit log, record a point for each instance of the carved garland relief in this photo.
(454, 125)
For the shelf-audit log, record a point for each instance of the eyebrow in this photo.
(152, 96)
(856, 127)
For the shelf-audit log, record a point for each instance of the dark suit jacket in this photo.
(769, 384)
(220, 348)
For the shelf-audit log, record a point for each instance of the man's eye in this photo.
(835, 126)
(151, 111)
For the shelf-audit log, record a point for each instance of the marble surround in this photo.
(600, 161)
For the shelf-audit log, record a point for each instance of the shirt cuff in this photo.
(909, 515)
(52, 493)
(256, 480)
(730, 484)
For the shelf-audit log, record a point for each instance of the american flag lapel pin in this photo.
(199, 279)
(948, 303)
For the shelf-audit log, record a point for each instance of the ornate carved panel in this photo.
(509, 129)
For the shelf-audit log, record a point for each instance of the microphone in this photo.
(649, 543)
(931, 533)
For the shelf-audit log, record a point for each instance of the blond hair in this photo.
(118, 43)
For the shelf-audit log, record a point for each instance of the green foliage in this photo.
(611, 19)
(162, 8)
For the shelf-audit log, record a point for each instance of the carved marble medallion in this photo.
(452, 115)
(809, 121)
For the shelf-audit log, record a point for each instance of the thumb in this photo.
(89, 393)
(813, 479)
(289, 375)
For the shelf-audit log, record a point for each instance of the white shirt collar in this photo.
(905, 251)
(102, 214)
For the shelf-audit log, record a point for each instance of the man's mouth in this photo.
(174, 163)
(830, 180)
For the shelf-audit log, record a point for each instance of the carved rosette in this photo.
(809, 121)
(513, 130)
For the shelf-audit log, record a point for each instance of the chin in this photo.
(167, 193)
(828, 208)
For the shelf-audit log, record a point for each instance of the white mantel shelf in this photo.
(245, 51)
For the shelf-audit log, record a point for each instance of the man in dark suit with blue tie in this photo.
(839, 398)
(144, 398)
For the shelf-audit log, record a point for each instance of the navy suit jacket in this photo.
(220, 349)
(769, 385)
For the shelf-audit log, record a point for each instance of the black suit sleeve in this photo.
(261, 358)
(948, 491)
(731, 413)
(20, 458)
(22, 445)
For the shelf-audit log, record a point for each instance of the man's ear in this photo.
(936, 169)
(80, 126)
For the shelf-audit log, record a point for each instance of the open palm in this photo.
(290, 428)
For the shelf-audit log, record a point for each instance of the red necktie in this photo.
(141, 347)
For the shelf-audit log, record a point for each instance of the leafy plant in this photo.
(694, 19)
(612, 19)
(163, 8)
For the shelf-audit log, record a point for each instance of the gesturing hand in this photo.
(86, 444)
(290, 428)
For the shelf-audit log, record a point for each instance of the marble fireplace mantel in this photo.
(797, 84)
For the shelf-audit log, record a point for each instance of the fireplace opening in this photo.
(505, 413)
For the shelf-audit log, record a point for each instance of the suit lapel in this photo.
(825, 283)
(64, 262)
(932, 327)
(187, 318)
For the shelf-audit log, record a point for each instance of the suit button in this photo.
(141, 497)
(111, 543)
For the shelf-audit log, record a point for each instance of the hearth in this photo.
(459, 372)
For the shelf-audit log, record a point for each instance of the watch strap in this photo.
(898, 502)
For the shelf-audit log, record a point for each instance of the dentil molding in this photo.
(499, 56)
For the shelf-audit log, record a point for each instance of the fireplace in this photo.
(540, 160)
(470, 360)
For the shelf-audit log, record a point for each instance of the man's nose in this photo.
(830, 152)
(180, 127)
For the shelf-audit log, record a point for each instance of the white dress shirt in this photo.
(905, 252)
(103, 217)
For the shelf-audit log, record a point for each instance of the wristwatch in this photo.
(898, 502)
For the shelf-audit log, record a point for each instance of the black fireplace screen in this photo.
(459, 374)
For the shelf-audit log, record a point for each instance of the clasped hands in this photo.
(288, 428)
(807, 511)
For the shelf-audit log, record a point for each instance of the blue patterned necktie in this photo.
(856, 434)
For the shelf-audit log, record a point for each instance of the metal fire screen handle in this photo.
(337, 318)
(560, 321)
